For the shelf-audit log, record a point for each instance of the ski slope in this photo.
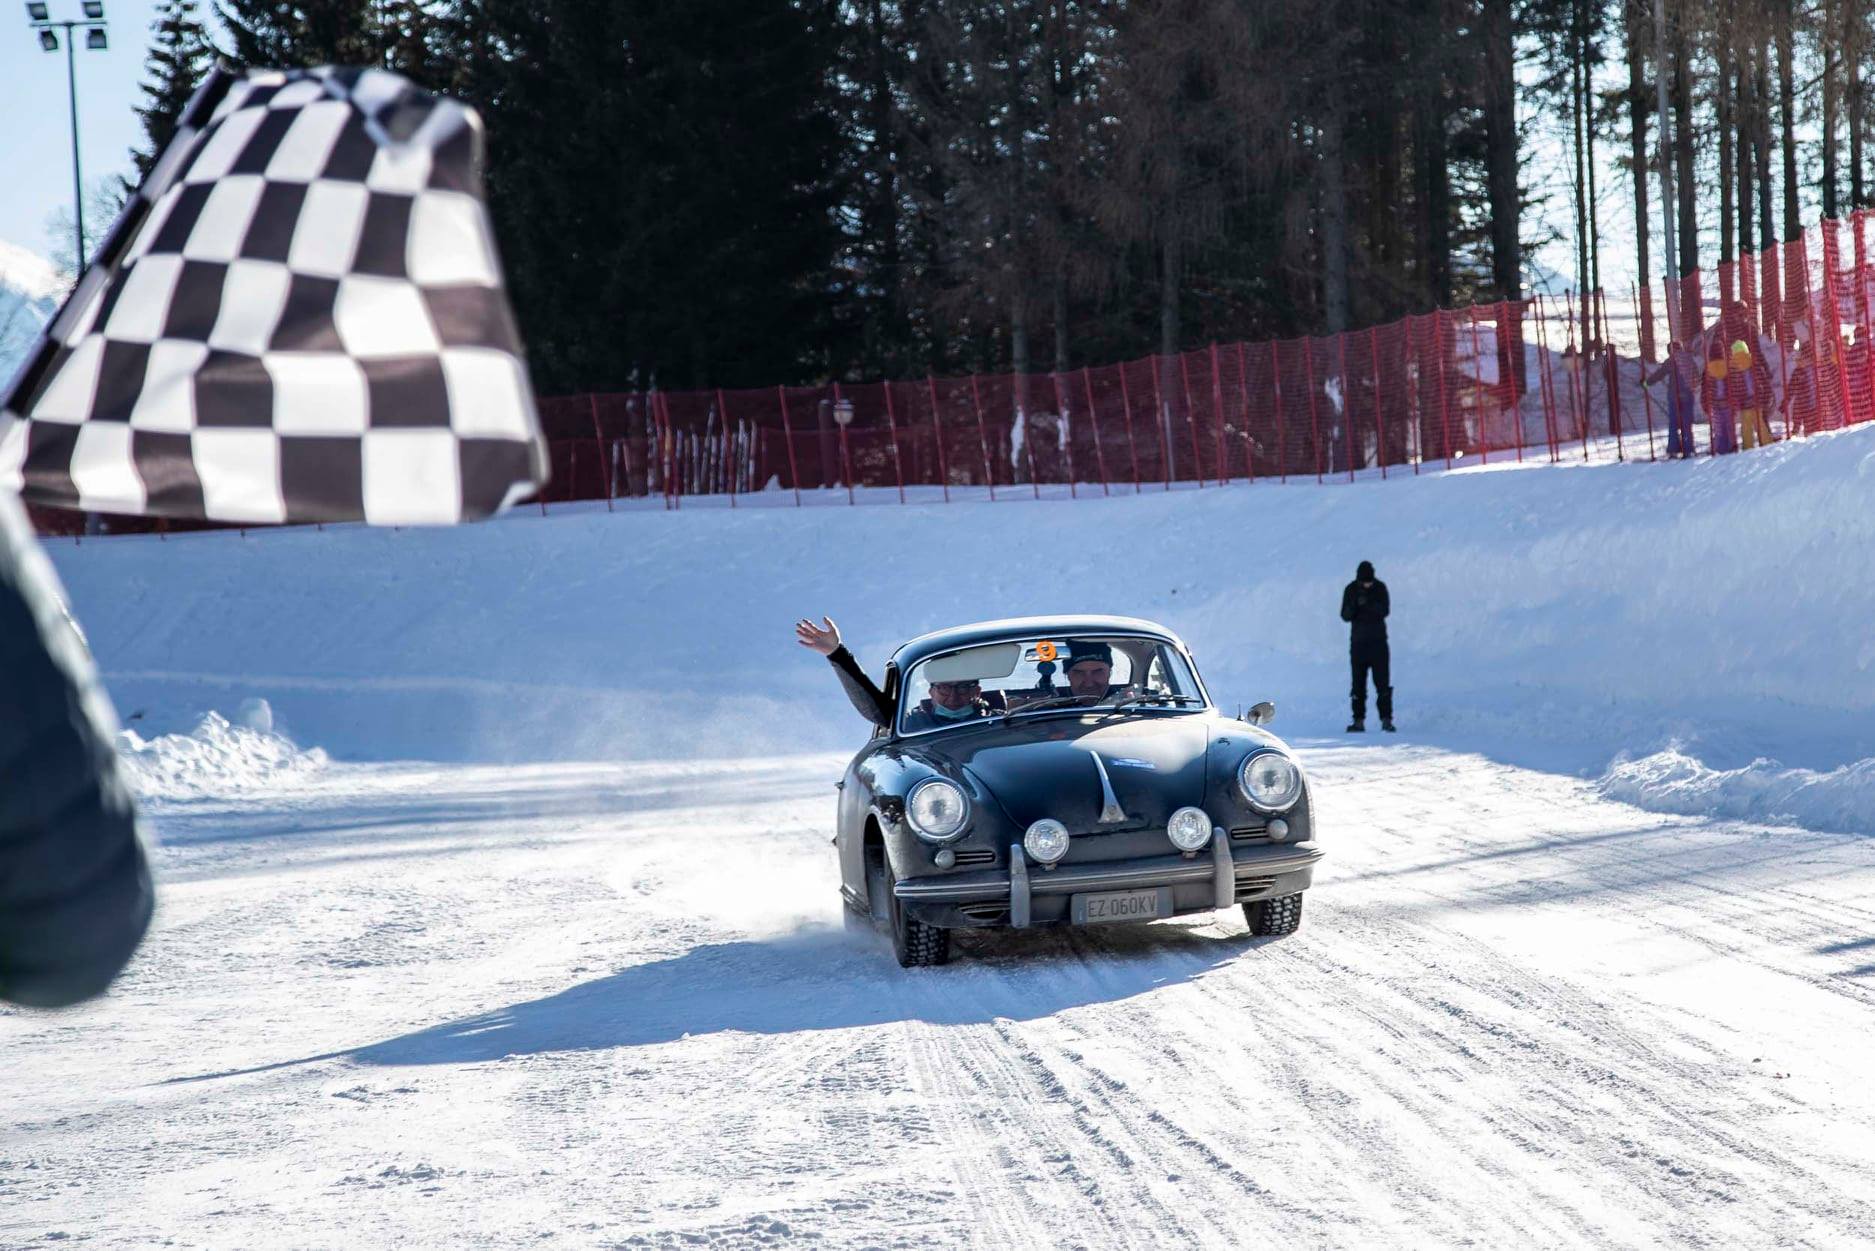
(508, 918)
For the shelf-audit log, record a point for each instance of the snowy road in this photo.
(605, 1005)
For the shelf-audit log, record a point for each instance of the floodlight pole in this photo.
(71, 87)
(93, 24)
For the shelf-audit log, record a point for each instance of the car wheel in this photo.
(916, 944)
(1272, 917)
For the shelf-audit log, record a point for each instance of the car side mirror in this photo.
(1261, 714)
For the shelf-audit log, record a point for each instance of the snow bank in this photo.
(1547, 616)
(1764, 790)
(218, 757)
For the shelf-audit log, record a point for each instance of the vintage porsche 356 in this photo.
(1073, 770)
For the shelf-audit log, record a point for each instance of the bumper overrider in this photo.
(1030, 894)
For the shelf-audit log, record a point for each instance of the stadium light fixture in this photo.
(94, 38)
(94, 9)
(49, 40)
(36, 12)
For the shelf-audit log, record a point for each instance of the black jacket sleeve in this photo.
(1383, 605)
(75, 893)
(1347, 602)
(867, 698)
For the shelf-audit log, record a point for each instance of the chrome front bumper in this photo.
(1222, 867)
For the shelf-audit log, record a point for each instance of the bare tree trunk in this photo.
(1855, 22)
(1058, 294)
(1683, 156)
(1500, 146)
(1724, 110)
(1761, 155)
(1747, 122)
(1787, 103)
(1334, 226)
(1578, 105)
(1831, 107)
(1635, 19)
(1435, 195)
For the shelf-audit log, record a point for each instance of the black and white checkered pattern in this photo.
(300, 317)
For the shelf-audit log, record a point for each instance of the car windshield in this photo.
(1020, 677)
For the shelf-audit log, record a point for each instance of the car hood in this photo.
(1045, 768)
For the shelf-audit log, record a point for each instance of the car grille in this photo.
(1249, 834)
(976, 856)
(1248, 886)
(984, 911)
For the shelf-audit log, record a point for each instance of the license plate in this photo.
(1125, 905)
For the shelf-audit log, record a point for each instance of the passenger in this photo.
(868, 700)
(948, 701)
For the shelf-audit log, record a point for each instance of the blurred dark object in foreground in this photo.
(75, 892)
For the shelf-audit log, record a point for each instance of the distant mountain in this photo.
(30, 292)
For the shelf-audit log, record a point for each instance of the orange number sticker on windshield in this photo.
(1044, 651)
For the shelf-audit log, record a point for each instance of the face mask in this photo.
(954, 714)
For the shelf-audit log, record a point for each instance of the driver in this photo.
(1090, 670)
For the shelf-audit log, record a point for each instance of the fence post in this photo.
(1162, 418)
(1478, 403)
(1315, 430)
(1126, 409)
(937, 432)
(1514, 367)
(1093, 420)
(976, 401)
(846, 459)
(1019, 393)
(729, 447)
(1347, 400)
(605, 462)
(1067, 442)
(1611, 368)
(1191, 419)
(1439, 323)
(1217, 419)
(1276, 386)
(898, 464)
(1380, 429)
(787, 433)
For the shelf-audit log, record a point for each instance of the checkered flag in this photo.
(299, 317)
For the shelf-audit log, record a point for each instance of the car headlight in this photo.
(1046, 841)
(936, 809)
(1189, 829)
(1269, 780)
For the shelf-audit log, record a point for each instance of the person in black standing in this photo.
(1364, 608)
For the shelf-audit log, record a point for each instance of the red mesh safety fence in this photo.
(1769, 346)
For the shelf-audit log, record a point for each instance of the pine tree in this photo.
(297, 36)
(180, 56)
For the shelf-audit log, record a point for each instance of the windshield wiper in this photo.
(1053, 701)
(1152, 697)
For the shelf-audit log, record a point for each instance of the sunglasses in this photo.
(953, 688)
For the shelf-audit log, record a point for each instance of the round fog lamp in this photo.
(1046, 841)
(1278, 829)
(1269, 780)
(1189, 829)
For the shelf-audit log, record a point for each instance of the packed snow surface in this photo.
(509, 918)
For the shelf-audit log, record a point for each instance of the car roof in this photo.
(910, 653)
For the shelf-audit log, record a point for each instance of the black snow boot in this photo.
(1387, 726)
(1357, 727)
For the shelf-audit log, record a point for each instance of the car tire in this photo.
(1270, 918)
(916, 944)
